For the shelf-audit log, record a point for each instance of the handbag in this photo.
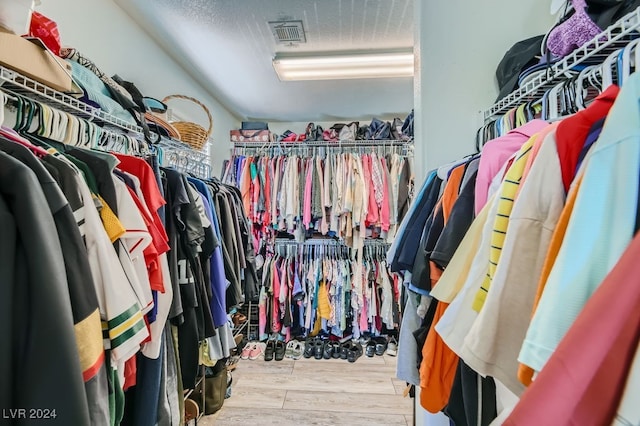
(407, 127)
(254, 125)
(396, 129)
(379, 130)
(250, 135)
(215, 388)
(349, 131)
(362, 132)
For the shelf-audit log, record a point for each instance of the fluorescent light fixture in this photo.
(338, 66)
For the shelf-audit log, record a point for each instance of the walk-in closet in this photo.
(319, 212)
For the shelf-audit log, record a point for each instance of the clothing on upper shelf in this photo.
(123, 246)
(556, 209)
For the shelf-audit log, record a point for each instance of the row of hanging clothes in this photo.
(350, 192)
(521, 268)
(567, 94)
(322, 287)
(117, 273)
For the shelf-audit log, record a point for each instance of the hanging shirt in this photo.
(494, 341)
(573, 131)
(582, 381)
(496, 152)
(606, 206)
(505, 205)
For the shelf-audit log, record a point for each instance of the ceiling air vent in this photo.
(287, 32)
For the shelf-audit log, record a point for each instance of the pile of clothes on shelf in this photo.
(377, 129)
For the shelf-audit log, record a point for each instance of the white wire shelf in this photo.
(325, 144)
(186, 159)
(14, 82)
(593, 52)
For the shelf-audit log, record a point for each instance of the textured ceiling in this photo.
(227, 46)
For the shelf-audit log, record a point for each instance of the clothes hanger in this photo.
(608, 69)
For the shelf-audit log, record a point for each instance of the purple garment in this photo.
(576, 31)
(592, 137)
(218, 279)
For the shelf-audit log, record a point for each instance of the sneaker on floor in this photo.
(279, 350)
(257, 350)
(288, 353)
(246, 350)
(298, 350)
(355, 352)
(269, 350)
(392, 347)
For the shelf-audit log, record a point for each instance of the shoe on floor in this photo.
(355, 352)
(392, 347)
(298, 350)
(257, 350)
(381, 345)
(344, 349)
(280, 350)
(327, 350)
(318, 352)
(309, 348)
(246, 350)
(288, 353)
(337, 349)
(269, 350)
(370, 348)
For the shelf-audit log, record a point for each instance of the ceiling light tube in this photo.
(344, 66)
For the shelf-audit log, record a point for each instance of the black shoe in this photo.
(280, 349)
(370, 349)
(309, 348)
(319, 349)
(344, 349)
(337, 349)
(269, 350)
(381, 345)
(355, 352)
(328, 350)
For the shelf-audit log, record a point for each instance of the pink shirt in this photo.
(306, 210)
(373, 211)
(496, 152)
(385, 208)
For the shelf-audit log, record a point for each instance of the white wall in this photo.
(103, 32)
(458, 44)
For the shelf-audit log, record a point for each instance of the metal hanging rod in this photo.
(183, 157)
(16, 83)
(616, 36)
(326, 242)
(324, 144)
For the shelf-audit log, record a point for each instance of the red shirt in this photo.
(573, 131)
(148, 184)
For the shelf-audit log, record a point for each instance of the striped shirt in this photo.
(507, 197)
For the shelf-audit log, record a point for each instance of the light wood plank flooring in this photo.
(315, 392)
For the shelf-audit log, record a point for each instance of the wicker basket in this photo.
(191, 133)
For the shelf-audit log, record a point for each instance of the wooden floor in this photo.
(315, 392)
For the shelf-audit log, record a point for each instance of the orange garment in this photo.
(451, 190)
(438, 367)
(535, 149)
(245, 185)
(525, 373)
